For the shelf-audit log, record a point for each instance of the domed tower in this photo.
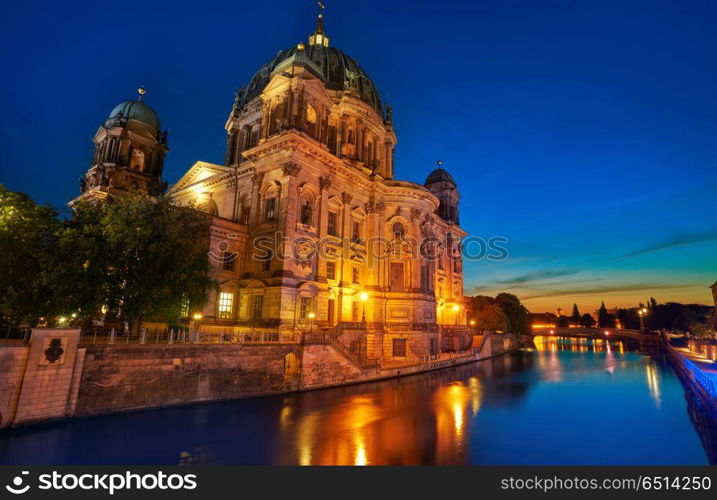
(444, 187)
(129, 154)
(322, 93)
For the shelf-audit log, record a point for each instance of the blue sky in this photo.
(584, 132)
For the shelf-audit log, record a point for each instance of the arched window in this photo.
(137, 160)
(311, 121)
(398, 230)
(277, 117)
(307, 212)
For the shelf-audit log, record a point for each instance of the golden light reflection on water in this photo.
(653, 382)
(426, 419)
(398, 425)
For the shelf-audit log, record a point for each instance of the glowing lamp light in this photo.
(61, 319)
(456, 308)
(607, 333)
(552, 332)
(473, 322)
(312, 315)
(197, 316)
(363, 296)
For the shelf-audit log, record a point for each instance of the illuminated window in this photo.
(331, 270)
(184, 307)
(305, 307)
(226, 302)
(399, 348)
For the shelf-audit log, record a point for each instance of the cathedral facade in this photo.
(310, 230)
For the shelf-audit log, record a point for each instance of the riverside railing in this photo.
(187, 336)
(708, 383)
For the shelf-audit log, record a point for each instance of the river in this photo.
(565, 402)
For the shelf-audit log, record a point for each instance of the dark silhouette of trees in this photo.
(605, 320)
(587, 320)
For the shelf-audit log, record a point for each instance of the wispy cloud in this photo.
(637, 287)
(675, 241)
(538, 276)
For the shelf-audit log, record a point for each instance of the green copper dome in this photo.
(136, 110)
(337, 70)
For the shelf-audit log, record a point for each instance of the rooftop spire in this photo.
(141, 91)
(319, 37)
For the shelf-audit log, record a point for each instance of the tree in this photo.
(562, 322)
(605, 320)
(491, 318)
(575, 316)
(157, 256)
(587, 320)
(27, 239)
(518, 315)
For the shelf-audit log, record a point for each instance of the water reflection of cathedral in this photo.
(309, 156)
(423, 419)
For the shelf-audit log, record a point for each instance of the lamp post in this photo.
(642, 313)
(197, 317)
(364, 298)
(472, 322)
(311, 321)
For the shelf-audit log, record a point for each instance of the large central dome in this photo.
(337, 70)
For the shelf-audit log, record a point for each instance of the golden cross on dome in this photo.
(141, 91)
(439, 162)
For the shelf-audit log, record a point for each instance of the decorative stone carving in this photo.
(325, 181)
(290, 168)
(346, 197)
(415, 213)
(258, 178)
(55, 351)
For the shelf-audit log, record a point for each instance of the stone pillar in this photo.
(52, 376)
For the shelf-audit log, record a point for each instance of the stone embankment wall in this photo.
(37, 384)
(118, 378)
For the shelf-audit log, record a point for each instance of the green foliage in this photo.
(138, 257)
(504, 312)
(157, 255)
(27, 237)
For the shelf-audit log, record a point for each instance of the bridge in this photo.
(645, 339)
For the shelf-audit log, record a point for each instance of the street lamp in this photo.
(456, 308)
(364, 298)
(642, 313)
(473, 322)
(197, 317)
(311, 321)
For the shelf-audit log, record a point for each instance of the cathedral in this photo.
(310, 230)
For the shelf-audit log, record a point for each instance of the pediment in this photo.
(200, 172)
